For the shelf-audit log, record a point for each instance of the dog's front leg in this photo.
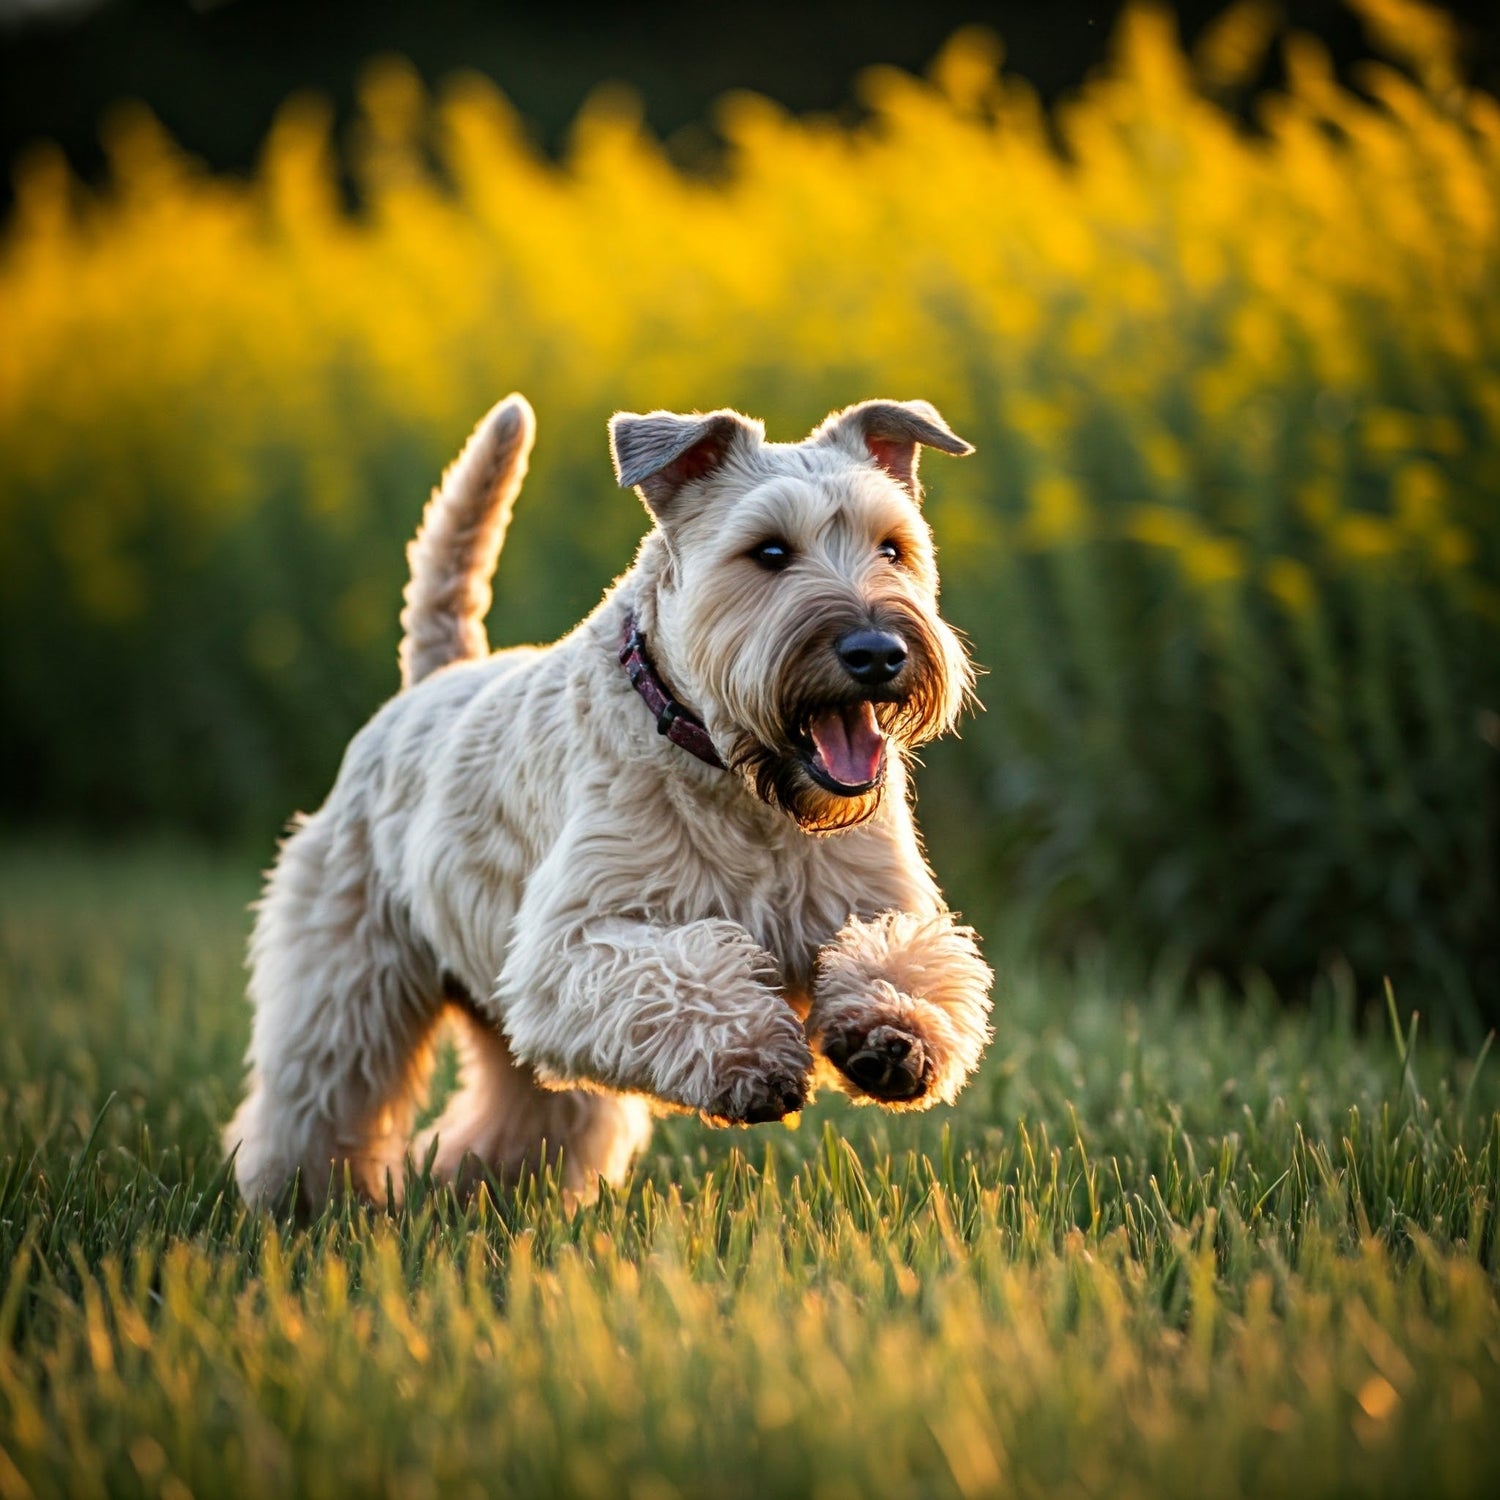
(690, 1014)
(901, 1006)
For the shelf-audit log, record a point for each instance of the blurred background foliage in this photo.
(1229, 550)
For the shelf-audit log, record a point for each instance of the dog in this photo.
(666, 863)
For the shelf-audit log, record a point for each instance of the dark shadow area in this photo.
(215, 71)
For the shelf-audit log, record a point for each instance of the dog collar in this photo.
(677, 723)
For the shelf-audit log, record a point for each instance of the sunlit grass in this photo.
(1166, 1245)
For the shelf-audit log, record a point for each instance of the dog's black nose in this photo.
(871, 656)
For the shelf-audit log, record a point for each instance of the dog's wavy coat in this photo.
(621, 915)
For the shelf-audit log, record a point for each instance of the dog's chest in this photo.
(792, 895)
(709, 851)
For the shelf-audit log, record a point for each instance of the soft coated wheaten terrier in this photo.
(667, 861)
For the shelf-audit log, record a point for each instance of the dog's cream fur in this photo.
(624, 926)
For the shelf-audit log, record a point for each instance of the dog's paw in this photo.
(769, 1086)
(758, 1101)
(886, 1058)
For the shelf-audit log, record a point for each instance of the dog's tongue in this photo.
(849, 744)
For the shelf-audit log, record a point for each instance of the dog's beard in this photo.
(783, 765)
(780, 778)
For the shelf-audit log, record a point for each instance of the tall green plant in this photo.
(1230, 548)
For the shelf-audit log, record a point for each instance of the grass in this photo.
(1166, 1245)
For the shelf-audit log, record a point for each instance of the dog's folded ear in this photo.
(890, 432)
(662, 451)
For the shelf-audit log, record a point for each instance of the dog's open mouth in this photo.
(845, 750)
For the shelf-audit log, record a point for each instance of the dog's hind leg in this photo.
(347, 999)
(503, 1122)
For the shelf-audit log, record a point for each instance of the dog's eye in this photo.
(773, 556)
(889, 551)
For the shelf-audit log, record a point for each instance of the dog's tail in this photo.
(453, 554)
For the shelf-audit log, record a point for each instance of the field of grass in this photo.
(1166, 1245)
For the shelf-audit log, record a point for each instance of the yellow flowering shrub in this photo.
(1229, 547)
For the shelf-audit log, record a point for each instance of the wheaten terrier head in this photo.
(794, 595)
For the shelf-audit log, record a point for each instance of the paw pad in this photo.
(886, 1062)
(759, 1101)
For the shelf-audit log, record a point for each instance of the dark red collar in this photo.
(672, 719)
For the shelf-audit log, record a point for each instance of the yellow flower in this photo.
(1418, 491)
(1213, 560)
(1058, 511)
(1163, 457)
(1318, 499)
(1364, 538)
(1423, 35)
(967, 68)
(186, 350)
(1453, 548)
(1291, 583)
(1206, 560)
(1386, 431)
(1160, 526)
